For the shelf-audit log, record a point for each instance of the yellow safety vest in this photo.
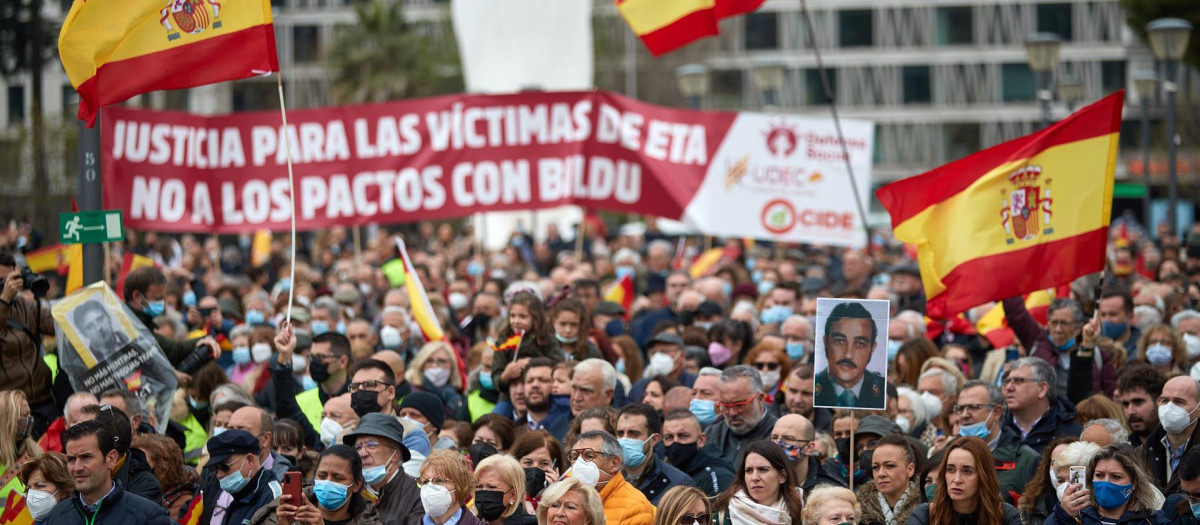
(195, 437)
(310, 404)
(477, 406)
(52, 362)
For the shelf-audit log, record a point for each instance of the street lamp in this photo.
(1070, 90)
(1169, 41)
(768, 80)
(1041, 49)
(1146, 83)
(693, 83)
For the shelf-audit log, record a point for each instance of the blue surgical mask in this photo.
(621, 365)
(893, 349)
(727, 288)
(341, 327)
(1065, 346)
(241, 355)
(485, 381)
(373, 475)
(235, 481)
(155, 308)
(765, 287)
(775, 314)
(565, 340)
(751, 262)
(1113, 330)
(319, 327)
(189, 298)
(1158, 354)
(756, 276)
(1195, 510)
(254, 317)
(705, 410)
(474, 268)
(1110, 495)
(330, 495)
(978, 430)
(622, 271)
(307, 383)
(795, 350)
(633, 451)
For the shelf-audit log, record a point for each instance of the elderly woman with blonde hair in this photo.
(570, 502)
(435, 370)
(830, 505)
(500, 491)
(16, 445)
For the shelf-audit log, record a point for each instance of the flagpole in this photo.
(291, 193)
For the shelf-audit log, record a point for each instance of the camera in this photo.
(32, 282)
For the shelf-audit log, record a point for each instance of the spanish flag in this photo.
(129, 263)
(422, 311)
(15, 512)
(1028, 214)
(621, 293)
(666, 25)
(512, 343)
(116, 49)
(705, 262)
(994, 325)
(50, 258)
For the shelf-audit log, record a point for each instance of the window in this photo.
(917, 86)
(855, 28)
(305, 45)
(727, 89)
(961, 140)
(176, 99)
(1017, 83)
(814, 90)
(1112, 76)
(762, 31)
(16, 104)
(255, 95)
(70, 101)
(1054, 18)
(954, 26)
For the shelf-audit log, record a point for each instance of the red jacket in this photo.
(1037, 343)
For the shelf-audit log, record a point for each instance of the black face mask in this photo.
(365, 402)
(318, 370)
(862, 469)
(490, 504)
(679, 454)
(843, 450)
(291, 459)
(535, 480)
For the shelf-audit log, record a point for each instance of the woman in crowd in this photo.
(762, 493)
(1163, 347)
(629, 364)
(180, 483)
(912, 416)
(967, 490)
(570, 502)
(495, 430)
(682, 504)
(830, 505)
(17, 445)
(47, 481)
(446, 486)
(569, 318)
(772, 364)
(656, 390)
(929, 475)
(599, 418)
(892, 494)
(958, 354)
(727, 340)
(539, 450)
(336, 496)
(906, 369)
(1098, 406)
(1117, 490)
(500, 492)
(1077, 454)
(288, 441)
(1040, 497)
(250, 354)
(435, 370)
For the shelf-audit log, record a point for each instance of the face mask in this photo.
(218, 431)
(319, 371)
(1061, 490)
(535, 480)
(234, 482)
(1067, 346)
(930, 490)
(661, 364)
(586, 472)
(319, 327)
(445, 443)
(795, 350)
(330, 429)
(904, 424)
(189, 298)
(389, 337)
(365, 402)
(330, 495)
(770, 378)
(792, 451)
(155, 308)
(490, 504)
(727, 289)
(260, 352)
(621, 365)
(565, 340)
(978, 430)
(458, 301)
(341, 327)
(719, 353)
(843, 449)
(196, 404)
(307, 383)
(775, 314)
(623, 271)
(485, 381)
(254, 317)
(40, 503)
(1195, 510)
(1193, 345)
(1158, 354)
(438, 376)
(435, 499)
(299, 364)
(614, 328)
(474, 268)
(893, 349)
(1113, 330)
(1110, 495)
(703, 325)
(1174, 418)
(373, 475)
(705, 410)
(933, 405)
(680, 454)
(765, 287)
(632, 450)
(241, 355)
(24, 428)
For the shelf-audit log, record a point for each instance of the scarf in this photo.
(745, 511)
(889, 513)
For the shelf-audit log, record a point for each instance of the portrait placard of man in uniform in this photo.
(851, 357)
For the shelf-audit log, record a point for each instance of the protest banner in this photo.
(851, 358)
(102, 345)
(782, 177)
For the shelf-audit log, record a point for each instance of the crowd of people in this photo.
(693, 404)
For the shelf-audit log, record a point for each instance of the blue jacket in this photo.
(660, 477)
(261, 490)
(118, 508)
(1089, 516)
(1176, 511)
(1059, 420)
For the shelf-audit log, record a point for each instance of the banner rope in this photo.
(291, 193)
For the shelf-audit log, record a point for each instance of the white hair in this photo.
(1077, 454)
(914, 401)
(916, 322)
(709, 371)
(626, 253)
(912, 331)
(599, 365)
(1185, 315)
(398, 310)
(744, 308)
(949, 382)
(1120, 436)
(660, 244)
(1146, 317)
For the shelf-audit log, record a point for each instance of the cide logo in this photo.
(779, 217)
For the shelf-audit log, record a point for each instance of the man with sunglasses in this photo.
(848, 342)
(740, 401)
(670, 346)
(235, 484)
(379, 441)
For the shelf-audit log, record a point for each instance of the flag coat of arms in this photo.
(116, 49)
(1028, 214)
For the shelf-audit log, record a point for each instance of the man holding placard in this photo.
(852, 367)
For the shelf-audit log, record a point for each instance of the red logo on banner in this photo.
(782, 140)
(778, 216)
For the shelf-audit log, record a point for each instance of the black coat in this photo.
(659, 477)
(709, 470)
(1058, 421)
(136, 476)
(118, 508)
(1157, 456)
(820, 474)
(260, 491)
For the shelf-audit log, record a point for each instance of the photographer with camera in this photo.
(22, 321)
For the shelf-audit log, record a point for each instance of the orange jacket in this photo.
(624, 504)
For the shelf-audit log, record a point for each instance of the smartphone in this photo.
(292, 482)
(1076, 475)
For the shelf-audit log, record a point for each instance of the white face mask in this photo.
(389, 337)
(299, 364)
(1174, 418)
(435, 499)
(933, 405)
(770, 378)
(905, 425)
(438, 376)
(260, 352)
(330, 430)
(586, 472)
(40, 503)
(1193, 345)
(661, 364)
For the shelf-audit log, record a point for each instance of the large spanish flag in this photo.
(666, 25)
(116, 49)
(1028, 214)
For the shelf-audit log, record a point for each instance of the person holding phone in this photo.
(335, 496)
(1117, 489)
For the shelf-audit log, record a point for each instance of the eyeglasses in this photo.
(435, 481)
(736, 405)
(227, 466)
(699, 519)
(369, 445)
(959, 409)
(488, 441)
(370, 385)
(791, 441)
(1191, 498)
(588, 454)
(1018, 381)
(767, 366)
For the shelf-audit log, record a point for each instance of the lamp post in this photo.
(1070, 90)
(693, 83)
(1146, 83)
(1169, 41)
(1041, 49)
(768, 80)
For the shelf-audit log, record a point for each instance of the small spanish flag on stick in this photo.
(510, 344)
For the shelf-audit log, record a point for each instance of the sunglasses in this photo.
(699, 519)
(767, 366)
(227, 466)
